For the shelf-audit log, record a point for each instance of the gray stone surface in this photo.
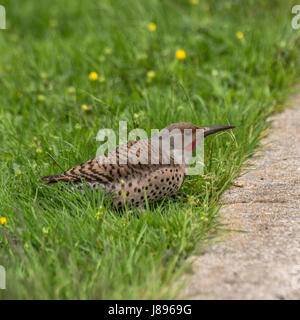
(263, 261)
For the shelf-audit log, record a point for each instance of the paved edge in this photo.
(263, 262)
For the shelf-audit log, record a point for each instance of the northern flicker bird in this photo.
(143, 170)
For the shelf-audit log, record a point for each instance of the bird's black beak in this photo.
(214, 129)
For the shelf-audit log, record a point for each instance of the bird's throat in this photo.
(191, 146)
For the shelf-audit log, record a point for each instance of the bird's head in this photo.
(189, 134)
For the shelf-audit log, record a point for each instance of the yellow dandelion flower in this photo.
(84, 107)
(180, 54)
(45, 230)
(41, 98)
(3, 221)
(107, 51)
(240, 35)
(93, 76)
(152, 27)
(151, 74)
(102, 79)
(39, 150)
(122, 181)
(71, 90)
(195, 2)
(282, 44)
(44, 75)
(214, 73)
(19, 173)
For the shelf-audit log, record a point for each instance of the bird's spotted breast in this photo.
(148, 186)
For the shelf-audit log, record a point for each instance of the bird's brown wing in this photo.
(100, 170)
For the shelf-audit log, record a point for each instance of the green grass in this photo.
(62, 245)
